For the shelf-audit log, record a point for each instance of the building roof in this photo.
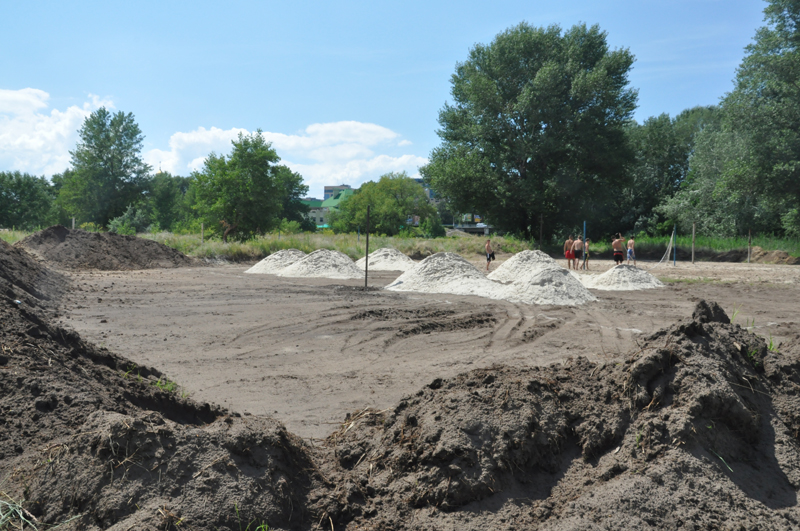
(312, 203)
(333, 202)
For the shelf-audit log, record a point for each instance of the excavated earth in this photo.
(79, 249)
(696, 429)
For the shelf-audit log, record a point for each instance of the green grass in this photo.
(13, 236)
(703, 243)
(349, 244)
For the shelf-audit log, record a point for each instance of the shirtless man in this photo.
(568, 251)
(489, 253)
(586, 250)
(616, 245)
(631, 253)
(577, 252)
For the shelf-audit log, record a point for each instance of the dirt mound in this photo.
(24, 279)
(551, 285)
(446, 273)
(277, 261)
(622, 278)
(85, 434)
(698, 429)
(78, 249)
(757, 254)
(523, 263)
(387, 259)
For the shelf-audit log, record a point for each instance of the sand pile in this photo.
(387, 259)
(323, 263)
(446, 273)
(622, 278)
(277, 261)
(551, 285)
(520, 264)
(78, 249)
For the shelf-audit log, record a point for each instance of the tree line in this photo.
(540, 137)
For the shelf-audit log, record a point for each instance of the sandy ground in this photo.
(309, 351)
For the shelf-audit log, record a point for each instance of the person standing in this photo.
(616, 245)
(631, 253)
(568, 251)
(586, 250)
(577, 252)
(489, 254)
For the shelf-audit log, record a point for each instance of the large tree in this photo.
(108, 172)
(536, 128)
(241, 195)
(392, 200)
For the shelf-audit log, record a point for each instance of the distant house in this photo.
(332, 191)
(319, 210)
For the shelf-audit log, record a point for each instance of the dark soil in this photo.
(22, 278)
(78, 249)
(696, 429)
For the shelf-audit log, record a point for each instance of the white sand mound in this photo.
(277, 261)
(522, 264)
(446, 273)
(323, 263)
(387, 259)
(550, 285)
(623, 278)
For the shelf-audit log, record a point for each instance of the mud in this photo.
(78, 249)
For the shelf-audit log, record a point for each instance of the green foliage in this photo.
(107, 171)
(90, 227)
(394, 199)
(241, 195)
(536, 128)
(167, 200)
(432, 227)
(26, 202)
(292, 190)
(290, 227)
(135, 219)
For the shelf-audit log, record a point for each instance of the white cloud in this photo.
(34, 141)
(329, 153)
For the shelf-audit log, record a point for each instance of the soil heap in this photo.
(24, 279)
(446, 273)
(88, 436)
(387, 259)
(277, 261)
(622, 278)
(551, 285)
(522, 263)
(78, 249)
(696, 430)
(323, 263)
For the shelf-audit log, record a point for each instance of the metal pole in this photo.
(584, 245)
(202, 232)
(693, 224)
(366, 256)
(674, 244)
(749, 243)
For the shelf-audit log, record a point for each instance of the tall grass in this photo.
(12, 236)
(350, 244)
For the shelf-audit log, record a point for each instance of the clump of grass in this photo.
(13, 236)
(165, 384)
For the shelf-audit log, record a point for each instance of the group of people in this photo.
(575, 248)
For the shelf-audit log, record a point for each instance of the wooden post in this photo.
(674, 245)
(749, 244)
(366, 256)
(693, 224)
(202, 232)
(541, 231)
(73, 222)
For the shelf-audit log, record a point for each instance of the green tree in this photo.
(393, 200)
(26, 201)
(107, 173)
(293, 190)
(536, 128)
(165, 198)
(240, 195)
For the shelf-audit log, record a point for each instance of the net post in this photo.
(749, 243)
(366, 255)
(584, 245)
(674, 244)
(693, 226)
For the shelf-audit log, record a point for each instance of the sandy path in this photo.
(262, 344)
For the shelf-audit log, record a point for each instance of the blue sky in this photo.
(346, 91)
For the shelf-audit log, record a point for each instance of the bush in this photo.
(132, 221)
(432, 227)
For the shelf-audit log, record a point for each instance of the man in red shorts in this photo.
(568, 254)
(617, 244)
